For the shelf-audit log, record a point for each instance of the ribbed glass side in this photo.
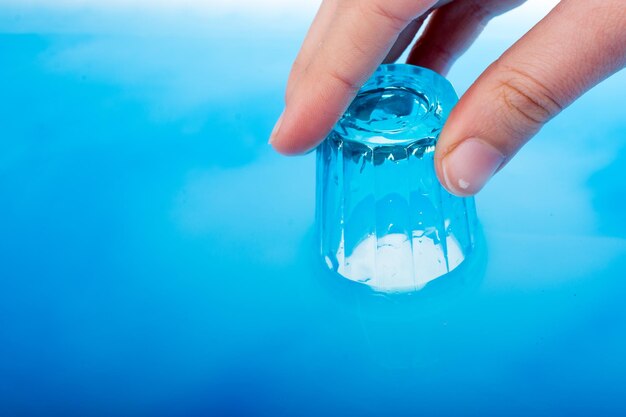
(383, 218)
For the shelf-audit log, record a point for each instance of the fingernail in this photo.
(276, 127)
(469, 166)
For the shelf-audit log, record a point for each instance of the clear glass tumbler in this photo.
(383, 219)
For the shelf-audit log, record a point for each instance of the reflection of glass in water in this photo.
(383, 218)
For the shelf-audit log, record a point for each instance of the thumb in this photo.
(570, 50)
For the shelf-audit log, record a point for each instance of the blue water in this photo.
(157, 257)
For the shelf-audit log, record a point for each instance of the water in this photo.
(397, 258)
(157, 258)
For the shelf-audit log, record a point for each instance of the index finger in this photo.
(360, 35)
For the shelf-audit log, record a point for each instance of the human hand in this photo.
(579, 43)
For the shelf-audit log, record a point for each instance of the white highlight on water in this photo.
(394, 264)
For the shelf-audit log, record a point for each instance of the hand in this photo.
(575, 46)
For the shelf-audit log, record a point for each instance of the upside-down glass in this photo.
(383, 219)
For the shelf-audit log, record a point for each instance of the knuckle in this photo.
(478, 10)
(526, 99)
(382, 11)
(356, 44)
(441, 51)
(344, 80)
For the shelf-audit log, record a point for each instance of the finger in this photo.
(452, 29)
(359, 37)
(312, 40)
(570, 50)
(407, 36)
(449, 33)
(404, 39)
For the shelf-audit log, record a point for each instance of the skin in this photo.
(578, 44)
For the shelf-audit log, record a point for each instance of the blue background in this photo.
(157, 258)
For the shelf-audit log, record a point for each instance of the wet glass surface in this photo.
(382, 218)
(156, 257)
